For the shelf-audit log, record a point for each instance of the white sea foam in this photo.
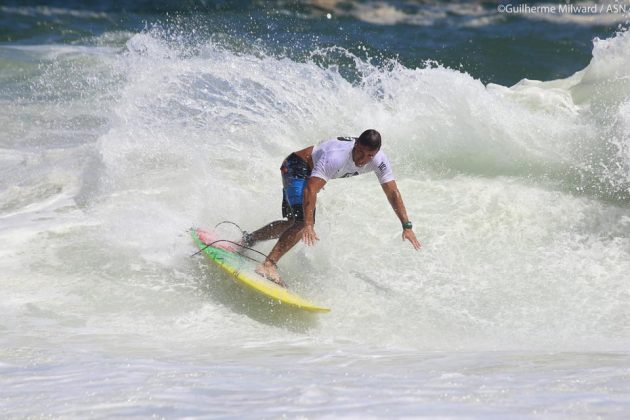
(519, 195)
(492, 170)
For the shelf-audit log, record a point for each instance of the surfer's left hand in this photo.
(411, 237)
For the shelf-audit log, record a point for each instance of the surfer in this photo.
(304, 174)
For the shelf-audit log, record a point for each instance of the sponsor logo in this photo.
(382, 167)
(346, 138)
(349, 174)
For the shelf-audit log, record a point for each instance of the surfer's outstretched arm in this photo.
(395, 200)
(313, 186)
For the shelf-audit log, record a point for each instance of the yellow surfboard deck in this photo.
(234, 264)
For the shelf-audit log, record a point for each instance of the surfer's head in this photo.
(371, 139)
(366, 147)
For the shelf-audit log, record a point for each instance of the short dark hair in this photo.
(370, 139)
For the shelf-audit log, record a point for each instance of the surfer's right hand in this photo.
(309, 236)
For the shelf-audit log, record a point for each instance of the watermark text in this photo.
(574, 9)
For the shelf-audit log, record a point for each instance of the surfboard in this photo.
(226, 255)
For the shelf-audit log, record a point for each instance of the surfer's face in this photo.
(362, 155)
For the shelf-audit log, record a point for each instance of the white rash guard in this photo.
(333, 159)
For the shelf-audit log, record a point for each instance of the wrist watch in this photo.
(407, 225)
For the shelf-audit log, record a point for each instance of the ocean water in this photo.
(125, 123)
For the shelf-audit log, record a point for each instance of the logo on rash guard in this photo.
(346, 138)
(382, 167)
(349, 174)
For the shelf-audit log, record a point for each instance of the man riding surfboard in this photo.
(304, 174)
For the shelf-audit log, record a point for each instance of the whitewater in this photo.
(518, 302)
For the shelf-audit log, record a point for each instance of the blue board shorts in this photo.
(295, 174)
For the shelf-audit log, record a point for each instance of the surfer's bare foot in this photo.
(269, 271)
